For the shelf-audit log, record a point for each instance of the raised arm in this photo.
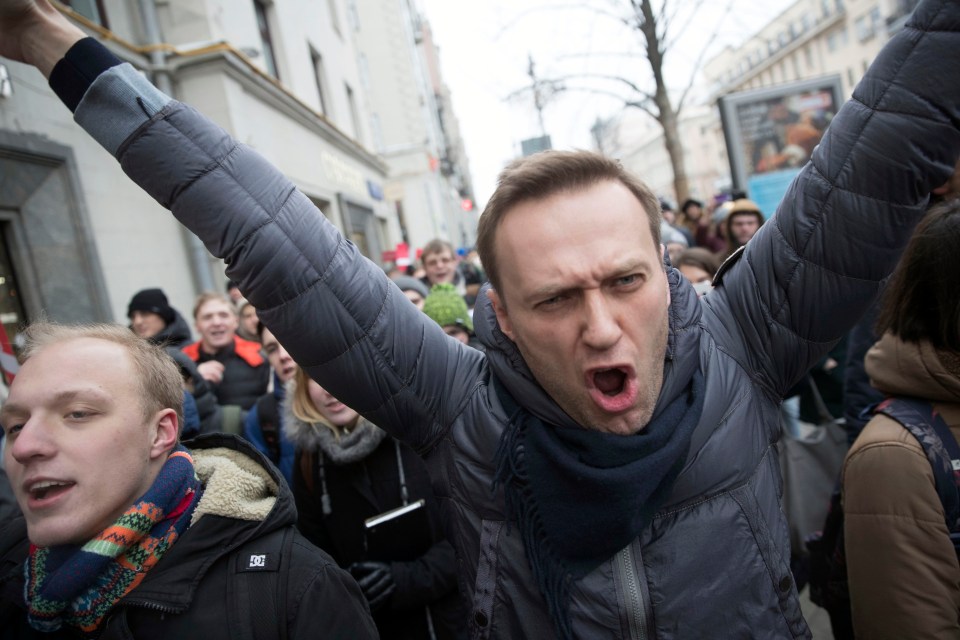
(333, 310)
(32, 31)
(814, 268)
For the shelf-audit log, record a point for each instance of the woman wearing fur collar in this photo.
(349, 470)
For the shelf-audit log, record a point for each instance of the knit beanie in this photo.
(447, 307)
(154, 301)
(406, 283)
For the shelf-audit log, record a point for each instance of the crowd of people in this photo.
(573, 436)
(324, 450)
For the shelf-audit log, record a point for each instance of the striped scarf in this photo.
(79, 585)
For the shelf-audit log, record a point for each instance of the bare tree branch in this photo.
(703, 52)
(651, 28)
(643, 105)
(526, 13)
(599, 54)
(601, 76)
(664, 20)
(671, 42)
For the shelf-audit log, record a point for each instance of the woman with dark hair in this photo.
(348, 470)
(904, 575)
(698, 265)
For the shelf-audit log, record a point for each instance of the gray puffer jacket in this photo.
(715, 561)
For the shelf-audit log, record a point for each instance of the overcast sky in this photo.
(484, 45)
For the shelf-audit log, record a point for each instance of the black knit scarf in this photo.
(579, 496)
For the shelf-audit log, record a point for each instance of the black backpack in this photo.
(828, 567)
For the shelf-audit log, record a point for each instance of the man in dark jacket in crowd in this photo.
(263, 426)
(132, 535)
(233, 367)
(152, 318)
(627, 427)
(742, 223)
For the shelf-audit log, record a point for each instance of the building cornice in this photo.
(239, 67)
(771, 59)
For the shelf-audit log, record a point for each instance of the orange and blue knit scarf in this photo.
(79, 585)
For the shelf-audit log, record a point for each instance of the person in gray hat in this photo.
(413, 288)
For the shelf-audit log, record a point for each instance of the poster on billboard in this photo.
(771, 132)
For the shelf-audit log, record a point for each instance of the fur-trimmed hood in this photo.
(234, 485)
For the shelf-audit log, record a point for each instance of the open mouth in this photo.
(613, 390)
(48, 489)
(610, 382)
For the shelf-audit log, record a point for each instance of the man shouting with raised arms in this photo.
(607, 467)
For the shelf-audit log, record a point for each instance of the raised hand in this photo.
(34, 32)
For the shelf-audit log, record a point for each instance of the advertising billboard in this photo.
(771, 132)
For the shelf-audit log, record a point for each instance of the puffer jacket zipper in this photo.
(632, 593)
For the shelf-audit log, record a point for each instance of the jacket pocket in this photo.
(481, 617)
(777, 566)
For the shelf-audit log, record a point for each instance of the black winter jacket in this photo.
(246, 374)
(360, 490)
(211, 414)
(189, 593)
(176, 334)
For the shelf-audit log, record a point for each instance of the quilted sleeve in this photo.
(816, 265)
(335, 311)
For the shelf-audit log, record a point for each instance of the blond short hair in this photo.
(158, 376)
(207, 296)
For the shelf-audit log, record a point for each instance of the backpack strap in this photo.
(941, 448)
(256, 596)
(269, 425)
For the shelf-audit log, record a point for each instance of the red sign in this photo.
(403, 254)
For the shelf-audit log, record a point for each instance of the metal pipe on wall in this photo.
(198, 255)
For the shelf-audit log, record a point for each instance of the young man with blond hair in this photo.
(130, 533)
(608, 467)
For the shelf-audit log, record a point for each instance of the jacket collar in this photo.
(246, 350)
(173, 583)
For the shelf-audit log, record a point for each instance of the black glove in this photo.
(375, 580)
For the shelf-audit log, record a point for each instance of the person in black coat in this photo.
(153, 319)
(125, 532)
(348, 470)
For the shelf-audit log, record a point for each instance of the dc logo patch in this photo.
(258, 562)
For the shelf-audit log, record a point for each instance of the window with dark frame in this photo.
(92, 10)
(266, 42)
(334, 17)
(320, 76)
(354, 115)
